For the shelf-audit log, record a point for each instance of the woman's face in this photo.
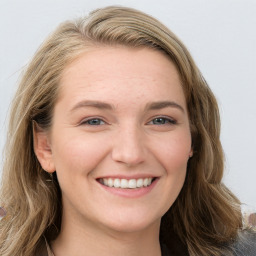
(120, 138)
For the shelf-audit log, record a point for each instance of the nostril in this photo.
(128, 150)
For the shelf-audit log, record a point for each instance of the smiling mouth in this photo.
(126, 183)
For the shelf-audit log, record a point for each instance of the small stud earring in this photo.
(51, 178)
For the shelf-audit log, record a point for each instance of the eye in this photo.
(162, 121)
(93, 121)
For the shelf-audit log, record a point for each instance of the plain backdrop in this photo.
(220, 34)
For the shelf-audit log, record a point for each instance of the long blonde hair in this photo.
(206, 215)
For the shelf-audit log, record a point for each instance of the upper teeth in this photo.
(124, 183)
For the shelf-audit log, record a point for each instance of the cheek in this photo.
(79, 154)
(174, 153)
(175, 159)
(173, 156)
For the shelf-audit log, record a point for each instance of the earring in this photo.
(51, 178)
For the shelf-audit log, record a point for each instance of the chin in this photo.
(131, 227)
(128, 223)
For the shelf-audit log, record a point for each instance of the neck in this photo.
(88, 239)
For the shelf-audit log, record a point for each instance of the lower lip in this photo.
(130, 193)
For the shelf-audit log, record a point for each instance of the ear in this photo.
(42, 148)
(191, 152)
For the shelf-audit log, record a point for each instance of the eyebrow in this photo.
(163, 104)
(92, 103)
(150, 106)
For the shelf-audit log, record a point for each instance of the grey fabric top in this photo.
(245, 244)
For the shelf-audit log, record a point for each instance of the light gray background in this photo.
(220, 34)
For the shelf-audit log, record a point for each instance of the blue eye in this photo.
(162, 121)
(94, 121)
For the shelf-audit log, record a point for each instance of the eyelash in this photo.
(167, 121)
(99, 121)
(86, 122)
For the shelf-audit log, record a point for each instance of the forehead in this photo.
(121, 71)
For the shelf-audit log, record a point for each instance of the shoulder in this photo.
(245, 244)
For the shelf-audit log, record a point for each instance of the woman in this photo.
(114, 143)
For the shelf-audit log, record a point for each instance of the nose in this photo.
(129, 147)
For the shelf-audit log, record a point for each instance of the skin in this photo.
(127, 141)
